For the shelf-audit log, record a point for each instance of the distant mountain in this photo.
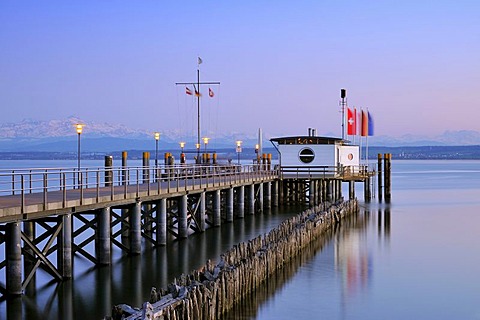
(60, 136)
(448, 138)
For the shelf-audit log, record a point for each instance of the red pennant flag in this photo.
(210, 93)
(188, 91)
(351, 123)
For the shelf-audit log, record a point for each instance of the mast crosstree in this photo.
(198, 94)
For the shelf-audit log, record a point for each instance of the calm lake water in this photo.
(417, 258)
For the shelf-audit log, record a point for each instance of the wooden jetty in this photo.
(49, 215)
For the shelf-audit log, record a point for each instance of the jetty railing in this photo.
(122, 180)
(326, 172)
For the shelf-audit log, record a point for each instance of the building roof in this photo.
(308, 140)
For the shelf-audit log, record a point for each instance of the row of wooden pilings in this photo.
(212, 291)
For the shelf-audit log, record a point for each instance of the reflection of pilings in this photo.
(182, 217)
(251, 199)
(64, 254)
(102, 243)
(229, 213)
(217, 204)
(161, 234)
(104, 289)
(14, 259)
(135, 228)
(387, 223)
(65, 300)
(241, 202)
(14, 308)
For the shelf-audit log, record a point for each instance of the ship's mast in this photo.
(196, 86)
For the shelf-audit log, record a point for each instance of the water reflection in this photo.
(324, 280)
(352, 258)
(94, 290)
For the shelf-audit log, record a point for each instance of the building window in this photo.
(306, 155)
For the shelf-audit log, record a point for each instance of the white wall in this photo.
(325, 155)
(345, 151)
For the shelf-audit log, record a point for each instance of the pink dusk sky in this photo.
(414, 64)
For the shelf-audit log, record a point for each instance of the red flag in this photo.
(210, 93)
(364, 129)
(188, 91)
(351, 123)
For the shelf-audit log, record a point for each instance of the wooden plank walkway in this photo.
(42, 204)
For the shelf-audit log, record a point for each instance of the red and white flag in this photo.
(210, 93)
(188, 91)
(351, 122)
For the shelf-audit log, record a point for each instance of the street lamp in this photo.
(157, 137)
(205, 142)
(182, 155)
(197, 145)
(79, 128)
(239, 150)
(257, 148)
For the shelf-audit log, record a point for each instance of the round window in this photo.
(306, 155)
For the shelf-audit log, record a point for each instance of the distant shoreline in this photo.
(404, 153)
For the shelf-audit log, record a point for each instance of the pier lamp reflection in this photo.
(79, 129)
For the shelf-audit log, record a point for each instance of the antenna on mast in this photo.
(343, 95)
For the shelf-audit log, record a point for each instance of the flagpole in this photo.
(198, 110)
(343, 93)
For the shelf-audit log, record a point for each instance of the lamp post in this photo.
(257, 148)
(205, 142)
(239, 150)
(79, 128)
(182, 155)
(157, 137)
(197, 145)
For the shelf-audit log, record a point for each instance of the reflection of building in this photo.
(353, 261)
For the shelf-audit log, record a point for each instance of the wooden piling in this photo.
(13, 257)
(108, 171)
(210, 292)
(379, 178)
(102, 236)
(387, 175)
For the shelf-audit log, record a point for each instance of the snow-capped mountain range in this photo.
(58, 135)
